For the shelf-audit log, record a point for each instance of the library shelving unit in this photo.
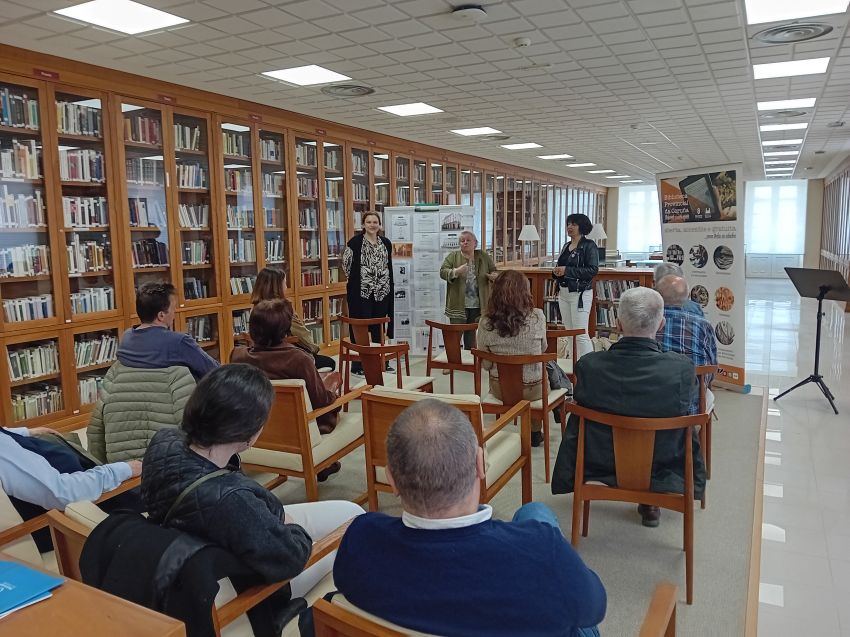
(275, 217)
(237, 155)
(336, 307)
(313, 315)
(34, 375)
(94, 348)
(435, 182)
(360, 185)
(608, 286)
(420, 181)
(381, 165)
(309, 248)
(401, 181)
(333, 170)
(204, 325)
(488, 238)
(450, 193)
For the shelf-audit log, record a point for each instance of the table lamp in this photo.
(597, 234)
(527, 234)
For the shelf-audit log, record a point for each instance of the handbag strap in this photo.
(185, 492)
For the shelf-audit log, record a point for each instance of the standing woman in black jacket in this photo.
(577, 264)
(368, 263)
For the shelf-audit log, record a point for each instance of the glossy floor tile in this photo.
(805, 558)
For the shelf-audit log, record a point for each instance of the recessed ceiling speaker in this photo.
(474, 13)
(782, 114)
(837, 124)
(494, 138)
(347, 90)
(794, 32)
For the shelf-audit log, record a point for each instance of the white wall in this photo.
(814, 220)
(612, 206)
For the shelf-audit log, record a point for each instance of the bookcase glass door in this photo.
(402, 181)
(197, 246)
(145, 177)
(477, 194)
(26, 287)
(489, 214)
(359, 185)
(533, 217)
(309, 228)
(420, 170)
(95, 350)
(336, 308)
(513, 200)
(381, 163)
(239, 318)
(35, 379)
(204, 328)
(312, 313)
(333, 166)
(499, 221)
(239, 207)
(451, 186)
(436, 183)
(275, 219)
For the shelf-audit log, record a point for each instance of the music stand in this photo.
(818, 284)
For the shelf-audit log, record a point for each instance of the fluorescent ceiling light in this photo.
(782, 142)
(773, 127)
(585, 164)
(787, 168)
(790, 69)
(125, 16)
(759, 11)
(563, 156)
(482, 130)
(600, 172)
(632, 181)
(782, 153)
(617, 176)
(236, 127)
(521, 146)
(306, 75)
(780, 161)
(807, 102)
(405, 110)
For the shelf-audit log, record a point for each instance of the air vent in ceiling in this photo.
(347, 90)
(782, 114)
(494, 138)
(794, 32)
(836, 124)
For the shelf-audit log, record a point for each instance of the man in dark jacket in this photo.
(633, 378)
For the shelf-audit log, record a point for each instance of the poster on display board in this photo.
(702, 230)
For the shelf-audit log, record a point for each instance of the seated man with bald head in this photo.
(633, 378)
(445, 567)
(685, 332)
(666, 269)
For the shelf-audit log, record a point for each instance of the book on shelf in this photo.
(242, 249)
(24, 260)
(606, 316)
(36, 401)
(419, 172)
(187, 137)
(199, 328)
(235, 143)
(380, 167)
(146, 213)
(335, 305)
(308, 187)
(95, 351)
(275, 217)
(312, 276)
(305, 154)
(240, 322)
(142, 130)
(194, 288)
(270, 149)
(196, 252)
(308, 218)
(317, 333)
(312, 309)
(89, 388)
(402, 170)
(612, 289)
(309, 247)
(273, 185)
(336, 330)
(82, 164)
(19, 210)
(239, 217)
(360, 191)
(79, 212)
(242, 285)
(238, 180)
(360, 164)
(18, 109)
(28, 308)
(148, 253)
(333, 275)
(143, 171)
(194, 215)
(275, 251)
(21, 161)
(34, 361)
(333, 190)
(191, 175)
(88, 256)
(95, 299)
(333, 159)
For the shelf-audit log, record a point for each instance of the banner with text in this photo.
(702, 230)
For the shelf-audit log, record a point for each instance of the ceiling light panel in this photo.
(632, 181)
(776, 162)
(777, 105)
(406, 110)
(522, 146)
(306, 75)
(782, 153)
(124, 16)
(790, 69)
(469, 132)
(563, 156)
(600, 172)
(617, 176)
(585, 164)
(787, 168)
(766, 128)
(782, 142)
(759, 11)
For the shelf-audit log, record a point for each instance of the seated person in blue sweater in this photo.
(153, 344)
(445, 567)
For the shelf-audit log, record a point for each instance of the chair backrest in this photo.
(68, 535)
(372, 357)
(552, 337)
(510, 373)
(22, 548)
(359, 328)
(335, 620)
(634, 445)
(704, 375)
(452, 334)
(287, 428)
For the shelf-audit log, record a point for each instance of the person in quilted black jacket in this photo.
(223, 417)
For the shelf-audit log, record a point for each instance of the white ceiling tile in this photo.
(270, 18)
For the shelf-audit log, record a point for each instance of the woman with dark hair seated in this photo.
(223, 417)
(512, 325)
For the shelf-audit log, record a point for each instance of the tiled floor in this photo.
(805, 560)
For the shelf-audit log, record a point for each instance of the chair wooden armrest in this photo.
(334, 621)
(354, 394)
(660, 618)
(506, 418)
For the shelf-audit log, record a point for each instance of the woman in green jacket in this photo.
(467, 273)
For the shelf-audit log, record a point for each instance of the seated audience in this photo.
(153, 344)
(270, 285)
(666, 269)
(224, 417)
(445, 567)
(685, 332)
(511, 325)
(633, 378)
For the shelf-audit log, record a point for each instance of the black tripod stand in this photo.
(828, 283)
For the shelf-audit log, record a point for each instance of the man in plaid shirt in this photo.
(685, 332)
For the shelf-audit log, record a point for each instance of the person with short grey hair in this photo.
(445, 567)
(671, 269)
(640, 312)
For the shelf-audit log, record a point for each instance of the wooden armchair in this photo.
(359, 334)
(567, 364)
(373, 358)
(340, 619)
(634, 442)
(454, 358)
(660, 618)
(510, 380)
(69, 536)
(505, 451)
(291, 444)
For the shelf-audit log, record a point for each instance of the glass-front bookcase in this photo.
(420, 185)
(333, 170)
(239, 208)
(402, 181)
(309, 226)
(381, 164)
(275, 220)
(450, 195)
(359, 185)
(435, 176)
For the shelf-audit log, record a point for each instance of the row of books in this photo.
(149, 253)
(142, 129)
(401, 194)
(187, 137)
(419, 173)
(95, 299)
(312, 309)
(275, 250)
(360, 191)
(144, 171)
(238, 180)
(78, 119)
(382, 193)
(89, 388)
(194, 288)
(200, 328)
(335, 305)
(273, 185)
(402, 170)
(270, 149)
(606, 316)
(242, 249)
(333, 190)
(552, 312)
(192, 175)
(336, 330)
(95, 351)
(308, 218)
(20, 161)
(239, 217)
(381, 166)
(25, 260)
(333, 217)
(305, 155)
(33, 361)
(242, 285)
(333, 159)
(28, 308)
(82, 164)
(333, 273)
(82, 212)
(360, 164)
(308, 187)
(194, 215)
(418, 195)
(36, 402)
(612, 289)
(240, 322)
(88, 256)
(312, 276)
(551, 288)
(18, 109)
(145, 214)
(309, 247)
(275, 217)
(317, 333)
(235, 143)
(196, 252)
(18, 210)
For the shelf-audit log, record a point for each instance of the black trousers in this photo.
(323, 362)
(369, 308)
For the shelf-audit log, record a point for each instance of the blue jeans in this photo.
(542, 513)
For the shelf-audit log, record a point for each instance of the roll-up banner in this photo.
(702, 230)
